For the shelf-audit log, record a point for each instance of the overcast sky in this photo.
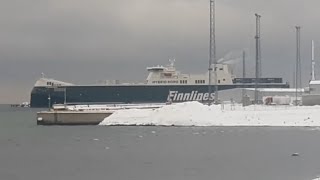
(84, 41)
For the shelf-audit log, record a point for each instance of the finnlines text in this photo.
(193, 96)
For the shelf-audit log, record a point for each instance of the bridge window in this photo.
(50, 83)
(200, 81)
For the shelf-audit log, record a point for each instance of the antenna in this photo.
(258, 59)
(172, 62)
(313, 63)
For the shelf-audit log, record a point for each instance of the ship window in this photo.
(224, 79)
(221, 69)
(218, 81)
(49, 83)
(167, 74)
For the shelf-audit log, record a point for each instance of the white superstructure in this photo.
(168, 75)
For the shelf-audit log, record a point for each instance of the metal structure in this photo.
(65, 95)
(243, 73)
(258, 59)
(212, 53)
(298, 63)
(243, 64)
(313, 63)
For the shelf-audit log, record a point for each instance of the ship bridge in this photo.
(156, 68)
(46, 82)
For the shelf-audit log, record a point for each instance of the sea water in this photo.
(28, 151)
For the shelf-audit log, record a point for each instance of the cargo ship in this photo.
(163, 84)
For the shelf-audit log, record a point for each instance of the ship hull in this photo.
(47, 96)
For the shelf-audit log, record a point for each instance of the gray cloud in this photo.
(85, 41)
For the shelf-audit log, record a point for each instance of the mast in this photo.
(313, 76)
(258, 59)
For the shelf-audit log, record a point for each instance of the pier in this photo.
(71, 117)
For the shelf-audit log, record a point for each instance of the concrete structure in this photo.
(62, 114)
(71, 117)
(313, 96)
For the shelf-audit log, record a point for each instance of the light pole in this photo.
(258, 58)
(49, 99)
(212, 54)
(298, 63)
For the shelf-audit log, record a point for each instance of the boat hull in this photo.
(128, 93)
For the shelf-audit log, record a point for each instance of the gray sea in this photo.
(31, 152)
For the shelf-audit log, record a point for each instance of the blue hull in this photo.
(127, 93)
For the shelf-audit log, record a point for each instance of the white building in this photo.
(236, 94)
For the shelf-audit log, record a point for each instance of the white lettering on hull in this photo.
(175, 96)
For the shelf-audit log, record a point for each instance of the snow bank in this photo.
(197, 114)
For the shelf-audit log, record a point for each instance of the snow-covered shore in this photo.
(197, 114)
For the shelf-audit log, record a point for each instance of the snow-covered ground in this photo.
(197, 114)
